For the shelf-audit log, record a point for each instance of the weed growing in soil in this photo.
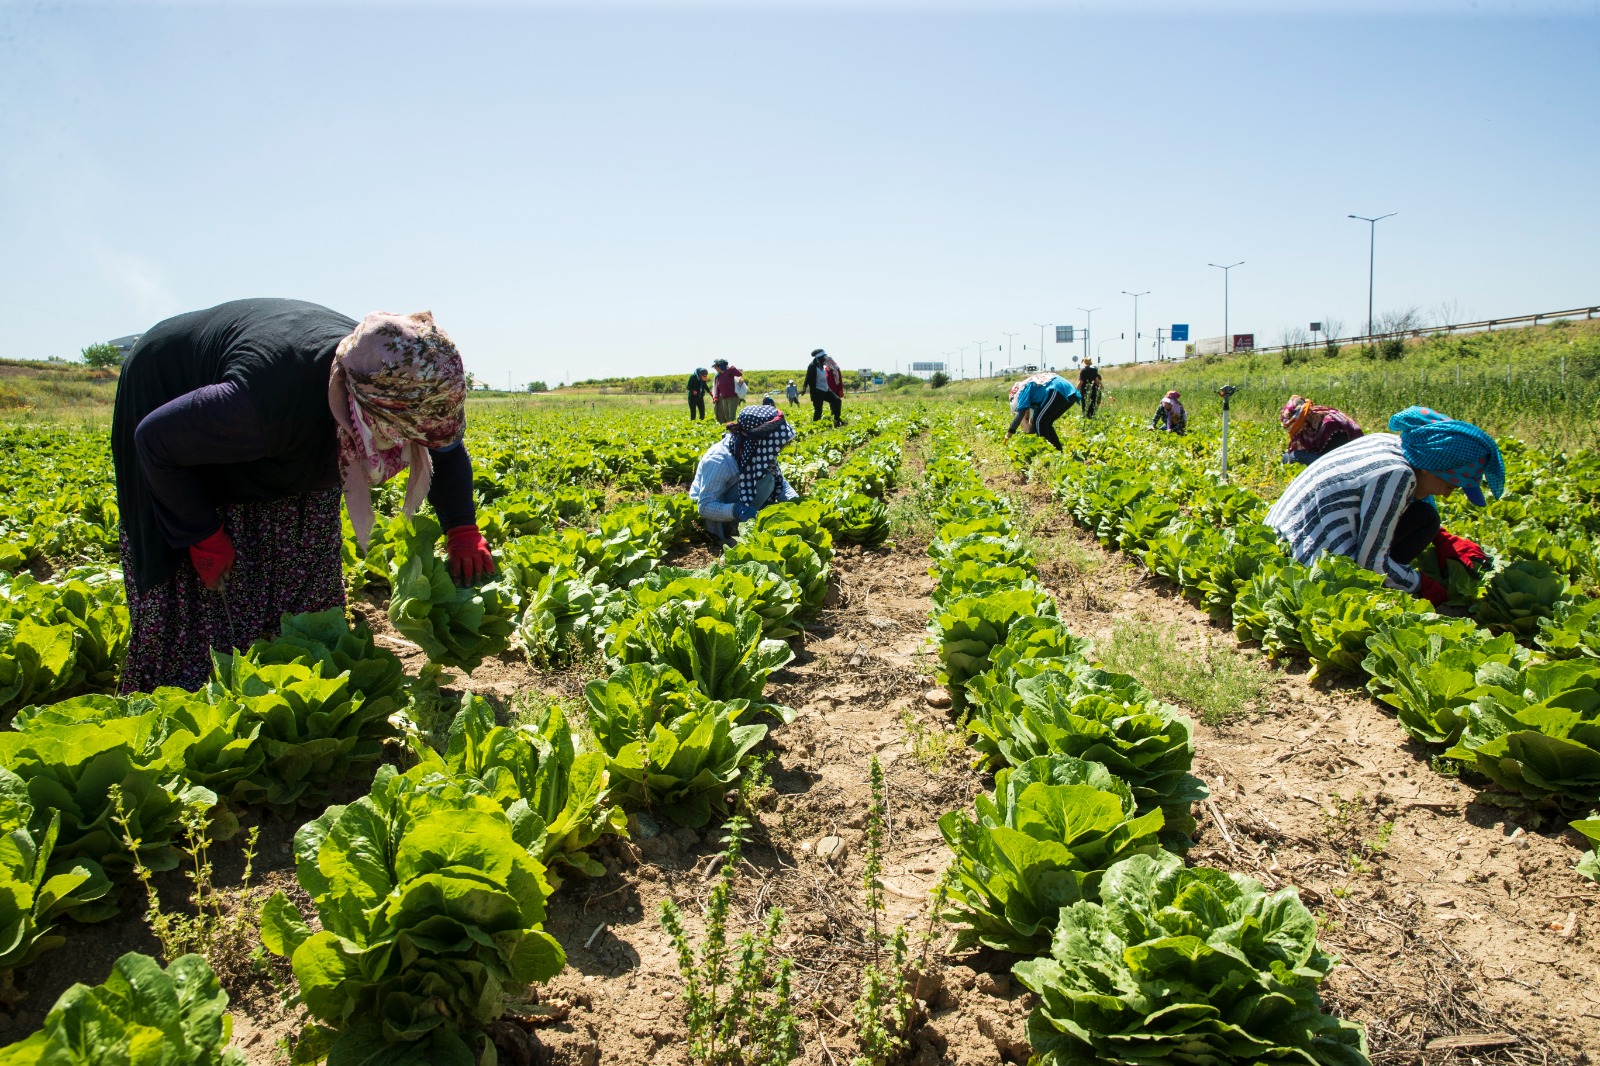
(222, 927)
(1216, 682)
(884, 1008)
(933, 746)
(739, 1010)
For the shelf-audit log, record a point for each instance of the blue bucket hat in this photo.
(1459, 452)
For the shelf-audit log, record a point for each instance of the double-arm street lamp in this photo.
(1372, 246)
(1089, 313)
(1227, 338)
(1136, 296)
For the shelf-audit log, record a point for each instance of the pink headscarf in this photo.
(397, 389)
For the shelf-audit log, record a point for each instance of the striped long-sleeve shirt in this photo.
(1349, 502)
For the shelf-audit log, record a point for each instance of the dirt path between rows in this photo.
(1451, 922)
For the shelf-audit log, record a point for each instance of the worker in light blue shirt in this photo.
(739, 475)
(1045, 397)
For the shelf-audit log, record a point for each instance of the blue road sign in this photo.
(1180, 331)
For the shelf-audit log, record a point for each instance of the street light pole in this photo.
(1089, 311)
(1372, 251)
(1042, 327)
(1009, 360)
(1227, 339)
(1136, 296)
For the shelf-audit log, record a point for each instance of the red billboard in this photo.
(1244, 342)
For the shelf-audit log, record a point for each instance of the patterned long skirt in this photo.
(287, 561)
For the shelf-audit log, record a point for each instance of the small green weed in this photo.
(934, 746)
(1215, 679)
(883, 1010)
(739, 1007)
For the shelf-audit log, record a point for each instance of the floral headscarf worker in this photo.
(235, 429)
(1314, 430)
(1368, 500)
(739, 475)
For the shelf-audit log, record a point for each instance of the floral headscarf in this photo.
(1294, 414)
(397, 389)
(755, 438)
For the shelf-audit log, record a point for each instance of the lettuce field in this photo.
(977, 753)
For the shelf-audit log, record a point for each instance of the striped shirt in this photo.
(1349, 502)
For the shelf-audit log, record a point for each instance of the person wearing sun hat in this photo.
(235, 432)
(1370, 500)
(1314, 430)
(739, 474)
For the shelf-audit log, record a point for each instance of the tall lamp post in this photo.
(1227, 338)
(1009, 360)
(1372, 248)
(1042, 327)
(1136, 296)
(1089, 312)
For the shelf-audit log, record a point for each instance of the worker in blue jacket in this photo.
(739, 475)
(1042, 398)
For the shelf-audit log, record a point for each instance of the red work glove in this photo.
(212, 558)
(469, 554)
(1432, 591)
(1449, 546)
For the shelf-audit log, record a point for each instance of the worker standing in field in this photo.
(1170, 417)
(1040, 399)
(792, 393)
(698, 387)
(739, 475)
(724, 391)
(235, 429)
(1314, 431)
(1369, 500)
(825, 382)
(1089, 387)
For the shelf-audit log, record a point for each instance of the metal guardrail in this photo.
(1486, 326)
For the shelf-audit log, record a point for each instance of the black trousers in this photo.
(817, 399)
(697, 406)
(1419, 523)
(1044, 422)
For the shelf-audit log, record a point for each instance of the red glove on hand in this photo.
(212, 558)
(1432, 591)
(469, 554)
(1449, 546)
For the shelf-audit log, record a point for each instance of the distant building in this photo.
(125, 344)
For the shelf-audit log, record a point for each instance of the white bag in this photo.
(740, 389)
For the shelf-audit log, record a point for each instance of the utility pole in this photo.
(1227, 338)
(962, 353)
(1136, 296)
(1089, 311)
(980, 360)
(1042, 328)
(1159, 331)
(1009, 360)
(1372, 252)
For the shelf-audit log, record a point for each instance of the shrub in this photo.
(939, 380)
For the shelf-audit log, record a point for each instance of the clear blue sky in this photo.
(608, 190)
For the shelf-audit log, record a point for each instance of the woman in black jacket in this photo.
(233, 432)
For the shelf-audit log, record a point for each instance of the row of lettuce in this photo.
(1510, 693)
(563, 548)
(1075, 859)
(430, 891)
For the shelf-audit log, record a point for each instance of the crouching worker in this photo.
(739, 475)
(1042, 398)
(1170, 417)
(1370, 500)
(1314, 431)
